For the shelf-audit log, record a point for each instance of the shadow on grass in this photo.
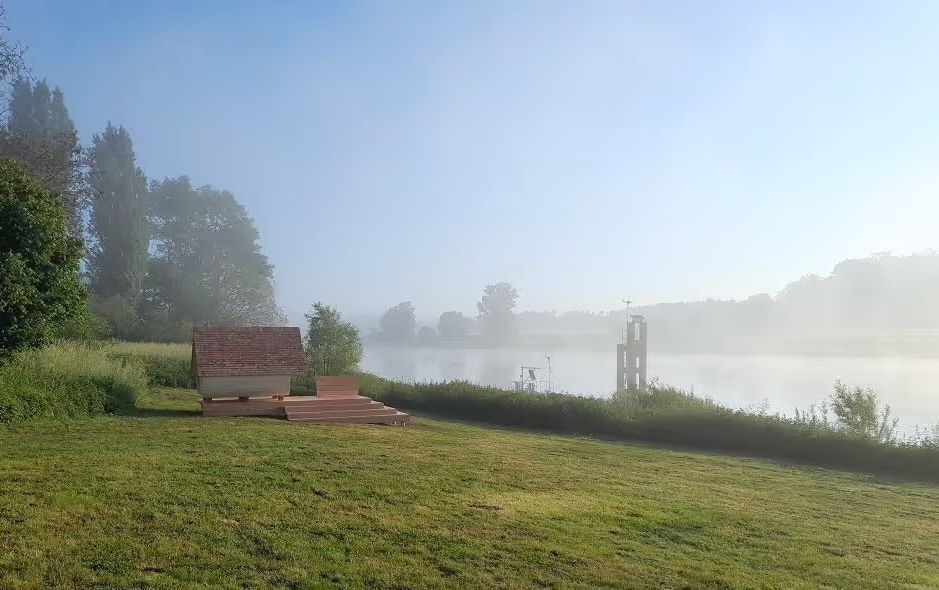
(166, 402)
(161, 413)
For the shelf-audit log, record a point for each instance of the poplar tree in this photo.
(40, 135)
(118, 222)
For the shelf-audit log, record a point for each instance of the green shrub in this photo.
(66, 381)
(166, 365)
(39, 262)
(860, 415)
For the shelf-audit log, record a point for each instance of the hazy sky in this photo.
(582, 150)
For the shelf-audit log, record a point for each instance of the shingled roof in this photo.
(247, 352)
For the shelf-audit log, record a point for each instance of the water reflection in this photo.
(909, 385)
(399, 363)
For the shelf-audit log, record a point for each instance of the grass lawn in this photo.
(167, 499)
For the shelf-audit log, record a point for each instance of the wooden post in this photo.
(620, 367)
(636, 353)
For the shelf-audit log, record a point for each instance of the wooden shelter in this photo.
(246, 362)
(247, 372)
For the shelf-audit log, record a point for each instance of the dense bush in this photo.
(665, 415)
(166, 365)
(66, 381)
(39, 285)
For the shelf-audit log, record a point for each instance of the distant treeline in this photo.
(883, 304)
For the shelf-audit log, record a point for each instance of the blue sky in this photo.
(582, 150)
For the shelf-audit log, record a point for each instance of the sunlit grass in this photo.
(177, 351)
(168, 499)
(168, 365)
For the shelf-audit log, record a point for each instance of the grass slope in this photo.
(166, 499)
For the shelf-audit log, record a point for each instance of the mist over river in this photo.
(779, 383)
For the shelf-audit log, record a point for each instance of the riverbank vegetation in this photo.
(665, 415)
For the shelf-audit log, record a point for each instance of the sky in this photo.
(584, 151)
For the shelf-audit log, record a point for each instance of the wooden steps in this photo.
(320, 402)
(337, 404)
(357, 409)
(395, 417)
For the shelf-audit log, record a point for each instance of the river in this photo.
(777, 383)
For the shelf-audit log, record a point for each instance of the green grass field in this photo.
(167, 499)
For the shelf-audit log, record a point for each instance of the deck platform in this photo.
(315, 409)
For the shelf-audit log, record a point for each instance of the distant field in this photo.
(166, 499)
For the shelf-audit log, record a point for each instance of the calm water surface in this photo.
(782, 383)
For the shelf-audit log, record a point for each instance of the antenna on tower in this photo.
(628, 302)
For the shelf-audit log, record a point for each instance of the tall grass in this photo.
(66, 381)
(166, 365)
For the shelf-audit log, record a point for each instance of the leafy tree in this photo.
(118, 225)
(207, 265)
(39, 284)
(451, 325)
(399, 323)
(40, 135)
(496, 310)
(333, 346)
(120, 315)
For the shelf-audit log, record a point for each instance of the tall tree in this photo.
(40, 135)
(118, 221)
(496, 310)
(207, 265)
(451, 326)
(399, 323)
(333, 346)
(39, 284)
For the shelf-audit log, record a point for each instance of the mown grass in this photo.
(66, 381)
(167, 499)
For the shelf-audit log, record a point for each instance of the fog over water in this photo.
(780, 382)
(476, 186)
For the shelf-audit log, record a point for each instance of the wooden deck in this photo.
(315, 409)
(337, 399)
